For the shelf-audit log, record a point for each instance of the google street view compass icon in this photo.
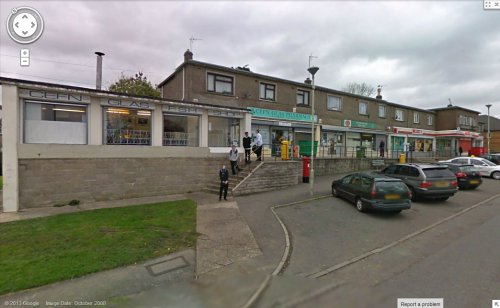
(24, 25)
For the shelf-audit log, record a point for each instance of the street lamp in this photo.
(488, 106)
(312, 70)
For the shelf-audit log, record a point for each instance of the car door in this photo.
(343, 185)
(352, 187)
(483, 168)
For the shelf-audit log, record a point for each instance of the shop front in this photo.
(363, 139)
(277, 126)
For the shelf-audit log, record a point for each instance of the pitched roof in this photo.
(494, 122)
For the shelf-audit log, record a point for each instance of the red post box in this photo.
(306, 167)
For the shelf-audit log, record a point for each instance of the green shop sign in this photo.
(281, 115)
(359, 124)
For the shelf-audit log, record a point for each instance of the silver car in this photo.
(485, 167)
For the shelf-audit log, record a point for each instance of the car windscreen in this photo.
(391, 186)
(438, 173)
(489, 163)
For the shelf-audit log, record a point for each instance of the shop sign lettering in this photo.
(181, 109)
(359, 124)
(225, 113)
(126, 103)
(54, 96)
(281, 115)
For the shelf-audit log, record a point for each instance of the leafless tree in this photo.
(363, 89)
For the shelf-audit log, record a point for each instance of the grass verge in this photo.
(44, 250)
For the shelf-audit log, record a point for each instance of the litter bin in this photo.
(402, 158)
(284, 150)
(361, 152)
(306, 167)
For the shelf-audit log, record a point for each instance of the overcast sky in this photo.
(423, 52)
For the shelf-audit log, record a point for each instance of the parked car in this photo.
(373, 191)
(486, 168)
(468, 176)
(424, 180)
(494, 158)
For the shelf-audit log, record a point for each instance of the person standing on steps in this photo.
(233, 158)
(258, 145)
(224, 182)
(247, 145)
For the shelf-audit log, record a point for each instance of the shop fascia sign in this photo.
(281, 115)
(113, 102)
(182, 109)
(54, 96)
(224, 113)
(358, 124)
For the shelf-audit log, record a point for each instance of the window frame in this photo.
(402, 115)
(430, 120)
(416, 117)
(214, 86)
(304, 104)
(363, 103)
(339, 102)
(265, 98)
(385, 111)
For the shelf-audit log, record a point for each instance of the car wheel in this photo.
(413, 195)
(334, 191)
(360, 206)
(496, 175)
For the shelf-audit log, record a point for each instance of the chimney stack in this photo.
(379, 89)
(98, 76)
(308, 81)
(188, 55)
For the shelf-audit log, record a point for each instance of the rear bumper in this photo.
(381, 206)
(466, 183)
(441, 193)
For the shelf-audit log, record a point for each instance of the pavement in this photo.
(240, 249)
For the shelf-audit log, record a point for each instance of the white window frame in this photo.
(264, 86)
(362, 103)
(402, 113)
(430, 119)
(384, 108)
(416, 117)
(338, 100)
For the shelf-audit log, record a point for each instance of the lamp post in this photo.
(312, 70)
(488, 106)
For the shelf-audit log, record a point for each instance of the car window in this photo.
(403, 170)
(477, 162)
(390, 169)
(366, 183)
(355, 180)
(460, 161)
(489, 163)
(438, 173)
(414, 171)
(347, 179)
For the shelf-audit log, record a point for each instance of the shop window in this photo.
(55, 123)
(303, 97)
(267, 92)
(363, 108)
(334, 103)
(381, 111)
(223, 132)
(127, 126)
(180, 130)
(220, 84)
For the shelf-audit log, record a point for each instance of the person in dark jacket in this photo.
(224, 182)
(247, 145)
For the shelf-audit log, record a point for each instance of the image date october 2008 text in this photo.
(75, 303)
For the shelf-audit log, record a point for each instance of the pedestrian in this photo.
(224, 182)
(381, 146)
(247, 145)
(258, 145)
(233, 158)
(460, 150)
